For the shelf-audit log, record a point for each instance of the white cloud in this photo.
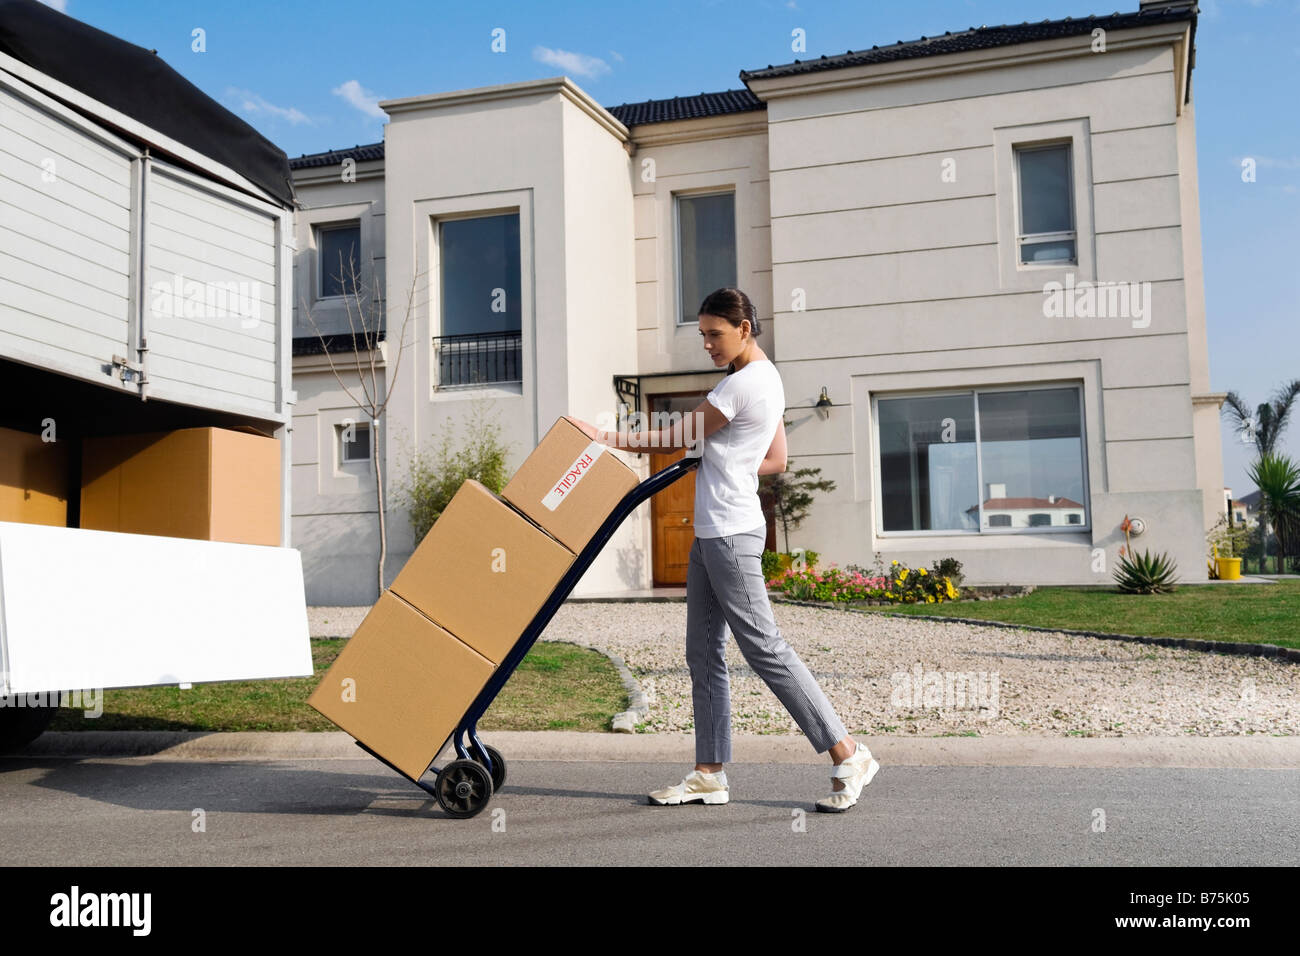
(360, 97)
(576, 63)
(255, 104)
(619, 56)
(60, 5)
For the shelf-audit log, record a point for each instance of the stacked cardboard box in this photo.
(466, 596)
(34, 481)
(214, 484)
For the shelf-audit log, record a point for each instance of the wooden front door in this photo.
(672, 511)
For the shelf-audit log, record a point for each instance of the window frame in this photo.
(437, 317)
(1014, 276)
(1023, 238)
(979, 529)
(682, 318)
(341, 444)
(317, 230)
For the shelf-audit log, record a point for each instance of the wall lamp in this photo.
(823, 405)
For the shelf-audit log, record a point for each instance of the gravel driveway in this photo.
(889, 675)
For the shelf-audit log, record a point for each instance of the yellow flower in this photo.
(929, 599)
(952, 592)
(902, 576)
(922, 571)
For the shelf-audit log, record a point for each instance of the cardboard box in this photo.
(401, 684)
(569, 485)
(34, 481)
(215, 484)
(483, 571)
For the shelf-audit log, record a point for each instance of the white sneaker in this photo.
(696, 786)
(856, 772)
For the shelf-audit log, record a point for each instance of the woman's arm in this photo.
(774, 463)
(702, 421)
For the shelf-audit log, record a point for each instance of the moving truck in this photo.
(146, 272)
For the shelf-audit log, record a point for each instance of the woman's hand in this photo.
(586, 428)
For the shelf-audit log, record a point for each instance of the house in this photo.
(976, 258)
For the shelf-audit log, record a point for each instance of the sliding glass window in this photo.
(986, 460)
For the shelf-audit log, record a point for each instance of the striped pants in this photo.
(725, 588)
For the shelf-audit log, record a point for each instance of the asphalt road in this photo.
(141, 811)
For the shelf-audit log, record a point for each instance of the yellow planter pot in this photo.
(1229, 569)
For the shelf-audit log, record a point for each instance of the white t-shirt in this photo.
(726, 481)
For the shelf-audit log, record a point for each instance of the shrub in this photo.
(948, 568)
(433, 480)
(919, 586)
(1145, 573)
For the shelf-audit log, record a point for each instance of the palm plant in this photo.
(1269, 419)
(1278, 479)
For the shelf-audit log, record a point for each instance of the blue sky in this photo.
(307, 76)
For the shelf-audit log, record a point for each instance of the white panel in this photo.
(64, 242)
(80, 162)
(93, 609)
(211, 240)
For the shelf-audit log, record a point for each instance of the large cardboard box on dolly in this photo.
(215, 484)
(483, 571)
(34, 483)
(401, 684)
(569, 485)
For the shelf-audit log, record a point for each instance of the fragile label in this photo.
(572, 475)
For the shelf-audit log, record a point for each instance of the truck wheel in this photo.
(19, 726)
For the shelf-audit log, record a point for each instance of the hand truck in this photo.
(464, 786)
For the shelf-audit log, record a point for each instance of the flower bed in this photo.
(902, 585)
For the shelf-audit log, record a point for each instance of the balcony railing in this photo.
(479, 358)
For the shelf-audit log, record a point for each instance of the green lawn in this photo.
(557, 686)
(1254, 613)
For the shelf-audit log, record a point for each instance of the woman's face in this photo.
(722, 340)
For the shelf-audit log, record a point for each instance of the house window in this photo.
(980, 460)
(339, 250)
(1047, 228)
(706, 244)
(480, 280)
(354, 442)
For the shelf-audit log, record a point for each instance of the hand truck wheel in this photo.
(463, 788)
(498, 767)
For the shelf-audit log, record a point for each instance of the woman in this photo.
(740, 428)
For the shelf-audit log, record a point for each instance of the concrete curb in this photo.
(1242, 752)
(1290, 655)
(625, 721)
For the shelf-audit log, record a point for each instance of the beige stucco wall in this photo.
(911, 282)
(544, 149)
(334, 521)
